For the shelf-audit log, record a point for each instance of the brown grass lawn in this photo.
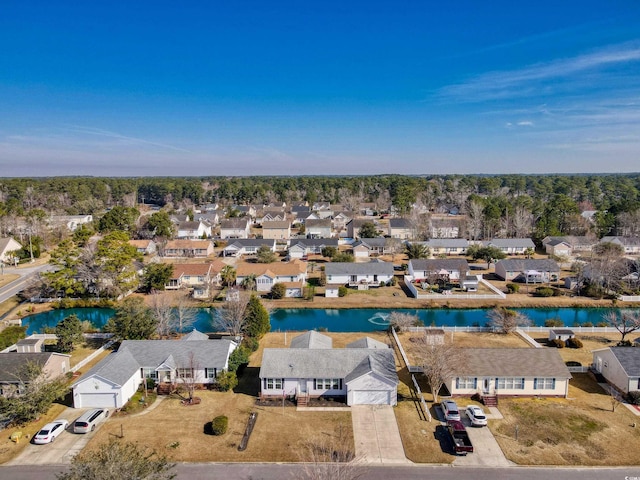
(581, 430)
(178, 431)
(9, 449)
(8, 278)
(591, 341)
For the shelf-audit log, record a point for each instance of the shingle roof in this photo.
(435, 264)
(180, 269)
(251, 242)
(195, 335)
(200, 244)
(447, 242)
(522, 265)
(315, 242)
(512, 242)
(312, 339)
(378, 242)
(323, 223)
(368, 268)
(509, 362)
(367, 342)
(399, 223)
(275, 224)
(234, 223)
(12, 363)
(277, 268)
(117, 368)
(629, 358)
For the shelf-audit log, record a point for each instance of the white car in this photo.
(50, 431)
(476, 416)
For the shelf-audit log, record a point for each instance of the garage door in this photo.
(95, 400)
(371, 397)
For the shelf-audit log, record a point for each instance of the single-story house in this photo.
(188, 248)
(318, 228)
(145, 247)
(528, 270)
(8, 245)
(559, 248)
(620, 366)
(114, 380)
(194, 230)
(196, 276)
(401, 228)
(631, 245)
(512, 246)
(70, 222)
(360, 275)
(568, 244)
(364, 373)
(14, 364)
(434, 269)
(276, 229)
(308, 246)
(235, 228)
(365, 247)
(247, 246)
(563, 334)
(539, 372)
(447, 246)
(268, 274)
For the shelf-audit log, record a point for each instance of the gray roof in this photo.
(512, 242)
(234, 223)
(562, 331)
(447, 243)
(626, 241)
(368, 268)
(29, 341)
(315, 242)
(435, 264)
(13, 363)
(371, 242)
(117, 368)
(522, 265)
(189, 225)
(367, 342)
(399, 223)
(323, 223)
(312, 339)
(195, 335)
(513, 362)
(629, 358)
(251, 242)
(327, 363)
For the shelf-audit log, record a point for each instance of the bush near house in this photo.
(219, 425)
(573, 343)
(278, 291)
(227, 381)
(342, 291)
(544, 292)
(634, 397)
(557, 343)
(513, 287)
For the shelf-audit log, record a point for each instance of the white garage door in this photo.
(371, 397)
(96, 400)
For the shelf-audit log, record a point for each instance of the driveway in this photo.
(486, 451)
(376, 434)
(62, 450)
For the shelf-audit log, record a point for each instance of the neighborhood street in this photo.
(26, 274)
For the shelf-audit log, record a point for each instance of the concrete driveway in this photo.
(376, 434)
(62, 449)
(486, 451)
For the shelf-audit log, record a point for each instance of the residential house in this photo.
(401, 228)
(144, 247)
(114, 380)
(318, 228)
(303, 218)
(435, 270)
(310, 246)
(193, 229)
(271, 215)
(444, 227)
(368, 209)
(246, 210)
(447, 246)
(188, 248)
(620, 366)
(300, 211)
(340, 220)
(516, 372)
(247, 246)
(568, 245)
(360, 375)
(528, 270)
(278, 230)
(367, 247)
(512, 246)
(235, 228)
(630, 245)
(8, 245)
(70, 222)
(311, 339)
(354, 226)
(210, 217)
(268, 274)
(192, 276)
(360, 275)
(322, 209)
(13, 366)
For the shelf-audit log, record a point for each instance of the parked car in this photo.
(450, 410)
(87, 422)
(461, 441)
(50, 431)
(476, 416)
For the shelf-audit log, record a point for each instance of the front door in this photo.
(302, 385)
(487, 385)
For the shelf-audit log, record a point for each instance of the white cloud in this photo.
(525, 123)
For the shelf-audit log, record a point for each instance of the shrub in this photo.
(227, 381)
(574, 343)
(238, 357)
(342, 291)
(587, 324)
(557, 343)
(219, 425)
(11, 335)
(251, 343)
(382, 284)
(553, 322)
(513, 287)
(278, 291)
(624, 343)
(634, 397)
(544, 292)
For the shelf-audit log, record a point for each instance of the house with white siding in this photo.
(8, 245)
(188, 248)
(235, 228)
(145, 247)
(620, 366)
(268, 274)
(528, 270)
(310, 246)
(360, 275)
(247, 246)
(320, 228)
(401, 228)
(512, 246)
(194, 230)
(432, 269)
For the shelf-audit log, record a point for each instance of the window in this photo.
(185, 372)
(149, 373)
(466, 382)
(210, 372)
(510, 383)
(274, 383)
(544, 383)
(327, 384)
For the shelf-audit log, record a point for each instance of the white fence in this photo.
(440, 296)
(421, 398)
(82, 363)
(464, 328)
(630, 298)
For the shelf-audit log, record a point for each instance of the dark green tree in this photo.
(119, 218)
(417, 251)
(257, 321)
(329, 252)
(368, 230)
(488, 254)
(69, 333)
(156, 276)
(82, 234)
(63, 278)
(160, 224)
(265, 255)
(133, 320)
(278, 291)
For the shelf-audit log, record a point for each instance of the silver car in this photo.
(50, 431)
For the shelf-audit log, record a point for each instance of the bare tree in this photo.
(395, 246)
(401, 321)
(184, 315)
(189, 375)
(521, 222)
(162, 311)
(625, 321)
(439, 362)
(475, 219)
(230, 315)
(505, 321)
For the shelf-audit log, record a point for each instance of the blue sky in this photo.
(275, 88)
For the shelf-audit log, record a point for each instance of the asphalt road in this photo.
(15, 287)
(252, 471)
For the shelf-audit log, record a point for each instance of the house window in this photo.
(327, 384)
(510, 383)
(149, 373)
(185, 372)
(466, 382)
(544, 383)
(274, 383)
(210, 373)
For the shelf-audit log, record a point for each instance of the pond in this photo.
(340, 320)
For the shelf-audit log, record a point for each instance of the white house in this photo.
(8, 245)
(620, 366)
(447, 246)
(247, 246)
(70, 222)
(114, 380)
(318, 228)
(360, 275)
(364, 373)
(447, 269)
(512, 246)
(308, 246)
(235, 228)
(145, 247)
(194, 230)
(528, 270)
(268, 274)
